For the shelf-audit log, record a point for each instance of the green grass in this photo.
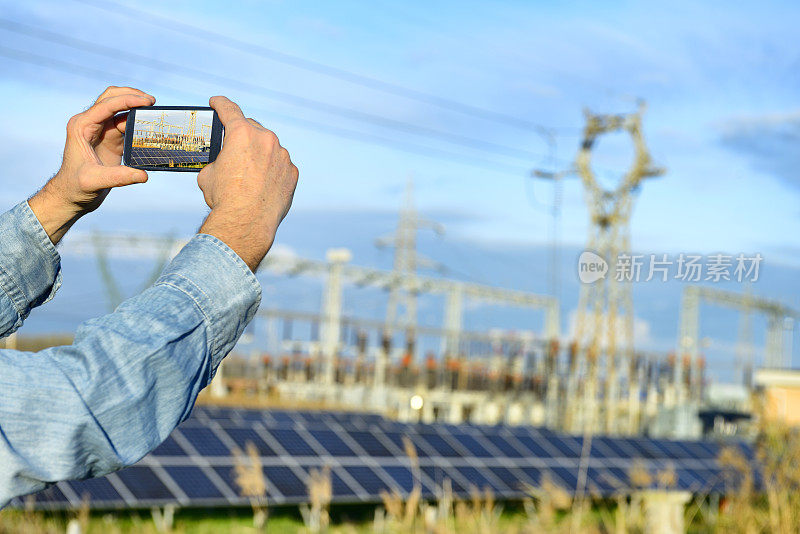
(345, 520)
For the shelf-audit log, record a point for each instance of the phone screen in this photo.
(170, 139)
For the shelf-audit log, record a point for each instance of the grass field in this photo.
(344, 520)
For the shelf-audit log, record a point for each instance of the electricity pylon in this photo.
(604, 328)
(164, 248)
(406, 262)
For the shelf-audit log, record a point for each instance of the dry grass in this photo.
(774, 505)
(252, 484)
(316, 515)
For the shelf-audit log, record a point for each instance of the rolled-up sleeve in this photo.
(128, 379)
(30, 267)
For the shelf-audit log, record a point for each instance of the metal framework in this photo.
(335, 271)
(604, 329)
(159, 133)
(780, 319)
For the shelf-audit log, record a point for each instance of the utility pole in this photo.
(330, 336)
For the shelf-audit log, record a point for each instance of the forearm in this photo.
(55, 215)
(250, 241)
(30, 267)
(128, 379)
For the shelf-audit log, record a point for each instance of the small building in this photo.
(780, 390)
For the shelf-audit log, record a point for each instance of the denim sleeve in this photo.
(30, 267)
(128, 379)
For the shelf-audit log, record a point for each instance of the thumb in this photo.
(102, 177)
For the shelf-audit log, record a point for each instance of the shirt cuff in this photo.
(221, 284)
(30, 266)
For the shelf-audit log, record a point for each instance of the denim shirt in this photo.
(129, 378)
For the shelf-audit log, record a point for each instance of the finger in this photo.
(108, 107)
(101, 177)
(226, 109)
(255, 123)
(120, 121)
(113, 90)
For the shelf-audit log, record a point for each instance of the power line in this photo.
(205, 76)
(105, 76)
(587, 82)
(315, 66)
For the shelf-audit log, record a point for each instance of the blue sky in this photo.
(721, 81)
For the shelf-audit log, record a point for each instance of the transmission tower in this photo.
(604, 329)
(164, 248)
(406, 263)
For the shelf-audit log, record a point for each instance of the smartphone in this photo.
(171, 138)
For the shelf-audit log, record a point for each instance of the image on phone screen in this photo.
(171, 139)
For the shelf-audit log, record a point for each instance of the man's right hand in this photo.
(91, 164)
(249, 187)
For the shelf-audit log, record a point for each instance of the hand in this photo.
(249, 187)
(91, 163)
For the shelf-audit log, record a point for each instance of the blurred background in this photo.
(455, 160)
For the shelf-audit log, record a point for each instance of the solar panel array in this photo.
(157, 156)
(366, 454)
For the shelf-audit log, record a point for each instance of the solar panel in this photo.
(603, 481)
(534, 475)
(439, 444)
(228, 475)
(439, 474)
(568, 476)
(504, 446)
(603, 447)
(535, 447)
(332, 443)
(205, 441)
(51, 497)
(476, 477)
(688, 481)
(282, 417)
(286, 481)
(312, 418)
(366, 453)
(370, 442)
(516, 481)
(566, 446)
(341, 489)
(97, 490)
(169, 448)
(367, 478)
(144, 484)
(291, 441)
(403, 476)
(216, 412)
(158, 156)
(194, 482)
(243, 435)
(472, 445)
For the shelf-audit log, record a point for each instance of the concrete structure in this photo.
(664, 511)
